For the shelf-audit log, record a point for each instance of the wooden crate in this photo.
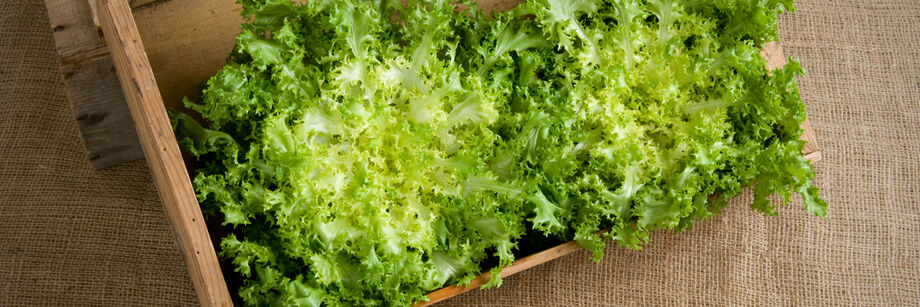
(186, 43)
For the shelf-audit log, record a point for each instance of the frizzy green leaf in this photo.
(370, 152)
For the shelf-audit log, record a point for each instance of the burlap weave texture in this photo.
(70, 235)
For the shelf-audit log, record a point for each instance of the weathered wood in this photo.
(101, 113)
(161, 150)
(516, 267)
(75, 35)
(98, 103)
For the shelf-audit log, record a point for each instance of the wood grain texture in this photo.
(162, 151)
(75, 34)
(92, 87)
(193, 40)
(101, 113)
(516, 267)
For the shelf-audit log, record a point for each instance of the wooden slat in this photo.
(101, 113)
(772, 53)
(162, 152)
(516, 267)
(811, 151)
(95, 95)
(75, 35)
(92, 87)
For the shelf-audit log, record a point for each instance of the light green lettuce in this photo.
(369, 152)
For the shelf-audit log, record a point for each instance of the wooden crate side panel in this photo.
(92, 88)
(188, 42)
(75, 34)
(162, 151)
(103, 117)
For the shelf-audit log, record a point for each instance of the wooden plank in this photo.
(516, 267)
(811, 151)
(773, 55)
(101, 113)
(92, 87)
(75, 34)
(162, 151)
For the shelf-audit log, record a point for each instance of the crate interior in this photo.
(189, 41)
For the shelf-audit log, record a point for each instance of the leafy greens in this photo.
(369, 152)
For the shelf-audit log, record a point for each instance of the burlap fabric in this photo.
(75, 236)
(70, 235)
